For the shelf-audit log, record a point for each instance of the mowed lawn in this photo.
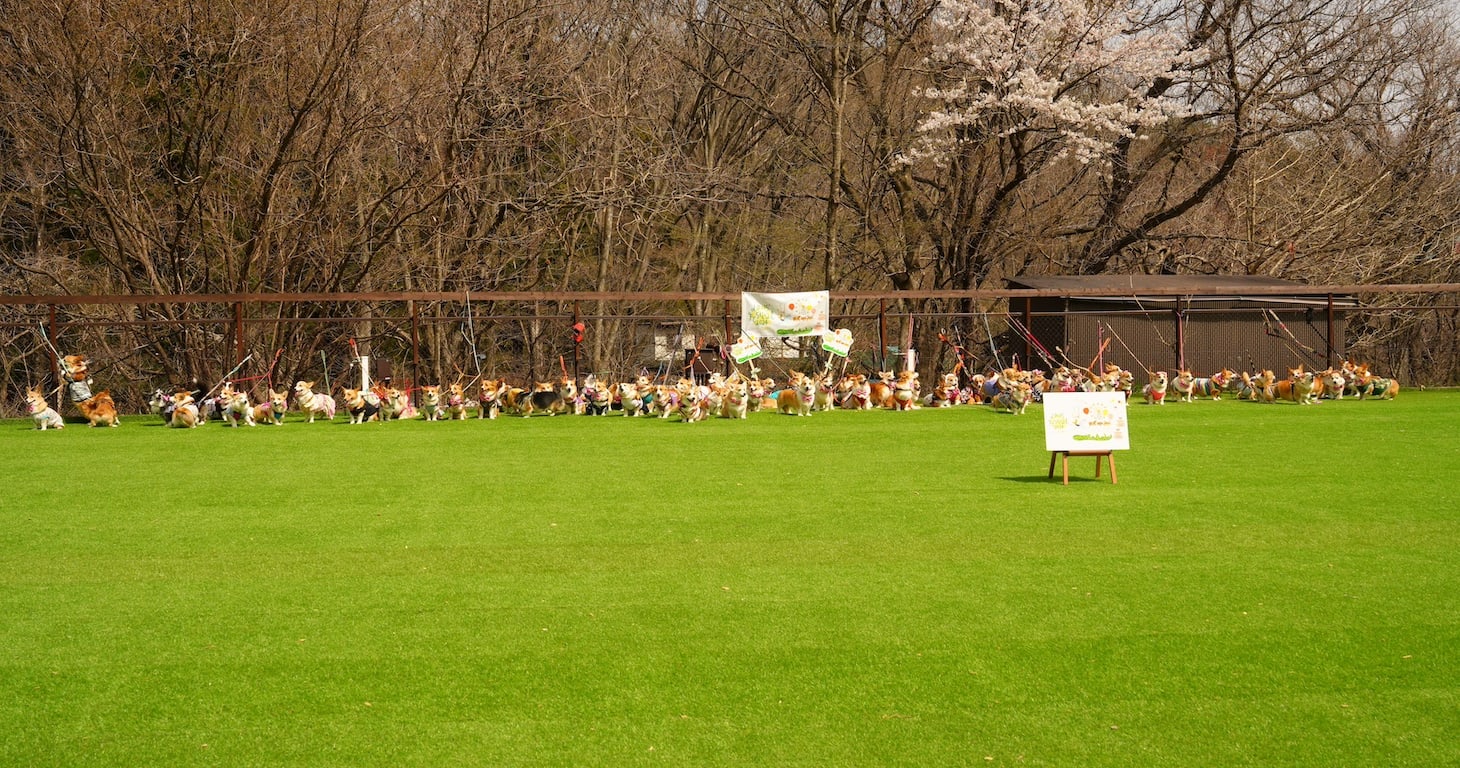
(1267, 585)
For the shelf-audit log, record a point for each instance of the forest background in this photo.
(223, 147)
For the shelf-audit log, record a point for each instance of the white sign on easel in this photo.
(1085, 422)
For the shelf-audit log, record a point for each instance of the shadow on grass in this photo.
(1042, 479)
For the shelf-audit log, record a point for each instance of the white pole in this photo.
(364, 373)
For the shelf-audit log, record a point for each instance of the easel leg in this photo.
(1112, 468)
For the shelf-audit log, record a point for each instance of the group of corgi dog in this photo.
(99, 409)
(734, 396)
(1301, 386)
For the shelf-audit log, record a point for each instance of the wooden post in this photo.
(725, 341)
(882, 334)
(415, 349)
(237, 332)
(1029, 331)
(577, 309)
(1329, 355)
(53, 350)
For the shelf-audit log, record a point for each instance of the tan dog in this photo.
(735, 400)
(759, 391)
(235, 406)
(882, 389)
(272, 410)
(798, 397)
(1014, 399)
(185, 411)
(1298, 387)
(1155, 391)
(455, 402)
(945, 392)
(489, 398)
(45, 416)
(362, 405)
(905, 391)
(100, 410)
(313, 403)
(431, 402)
(544, 398)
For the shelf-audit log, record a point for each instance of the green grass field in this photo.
(1268, 585)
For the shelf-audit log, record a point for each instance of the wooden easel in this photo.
(1065, 455)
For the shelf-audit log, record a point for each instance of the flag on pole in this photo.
(785, 314)
(745, 350)
(838, 343)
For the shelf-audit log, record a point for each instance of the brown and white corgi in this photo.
(1155, 391)
(544, 398)
(905, 391)
(1014, 399)
(489, 398)
(272, 410)
(100, 410)
(362, 405)
(313, 403)
(881, 387)
(798, 396)
(185, 411)
(431, 402)
(630, 399)
(735, 400)
(597, 396)
(1298, 387)
(456, 404)
(236, 407)
(41, 411)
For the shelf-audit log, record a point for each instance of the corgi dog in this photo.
(735, 401)
(630, 399)
(76, 372)
(881, 386)
(1014, 399)
(272, 410)
(824, 398)
(362, 405)
(759, 393)
(1185, 386)
(489, 398)
(1264, 386)
(236, 407)
(544, 398)
(691, 405)
(1369, 385)
(395, 404)
(41, 411)
(456, 405)
(798, 397)
(1061, 380)
(1155, 391)
(100, 410)
(431, 402)
(905, 391)
(313, 403)
(568, 401)
(945, 392)
(1298, 387)
(597, 396)
(1213, 386)
(1329, 384)
(858, 395)
(598, 399)
(664, 401)
(185, 413)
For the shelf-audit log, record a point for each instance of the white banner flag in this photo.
(785, 314)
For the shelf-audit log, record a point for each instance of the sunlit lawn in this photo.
(1267, 585)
